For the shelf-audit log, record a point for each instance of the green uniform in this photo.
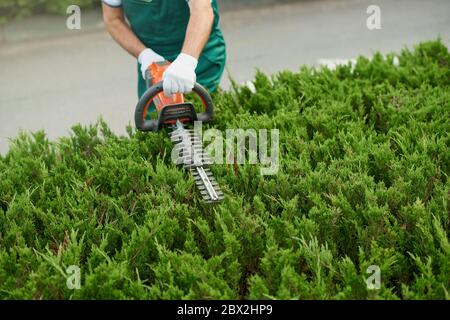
(161, 25)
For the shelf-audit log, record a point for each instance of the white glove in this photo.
(180, 75)
(146, 58)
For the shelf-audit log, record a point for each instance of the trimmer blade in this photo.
(192, 156)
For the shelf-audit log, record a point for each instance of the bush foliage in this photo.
(18, 9)
(363, 181)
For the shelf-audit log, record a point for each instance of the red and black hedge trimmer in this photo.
(174, 112)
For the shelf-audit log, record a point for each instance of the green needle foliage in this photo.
(11, 10)
(363, 181)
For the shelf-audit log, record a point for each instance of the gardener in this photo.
(182, 31)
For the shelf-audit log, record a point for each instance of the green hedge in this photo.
(363, 181)
(18, 9)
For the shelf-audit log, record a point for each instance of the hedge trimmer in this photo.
(174, 112)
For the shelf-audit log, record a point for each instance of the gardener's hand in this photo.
(146, 58)
(180, 75)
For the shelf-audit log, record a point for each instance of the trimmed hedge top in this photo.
(363, 181)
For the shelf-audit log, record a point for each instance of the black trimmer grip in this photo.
(204, 95)
(143, 124)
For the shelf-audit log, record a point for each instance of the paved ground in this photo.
(54, 83)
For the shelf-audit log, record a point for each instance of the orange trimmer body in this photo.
(157, 70)
(169, 110)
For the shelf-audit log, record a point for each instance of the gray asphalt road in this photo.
(58, 82)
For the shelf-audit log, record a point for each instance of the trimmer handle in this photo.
(152, 125)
